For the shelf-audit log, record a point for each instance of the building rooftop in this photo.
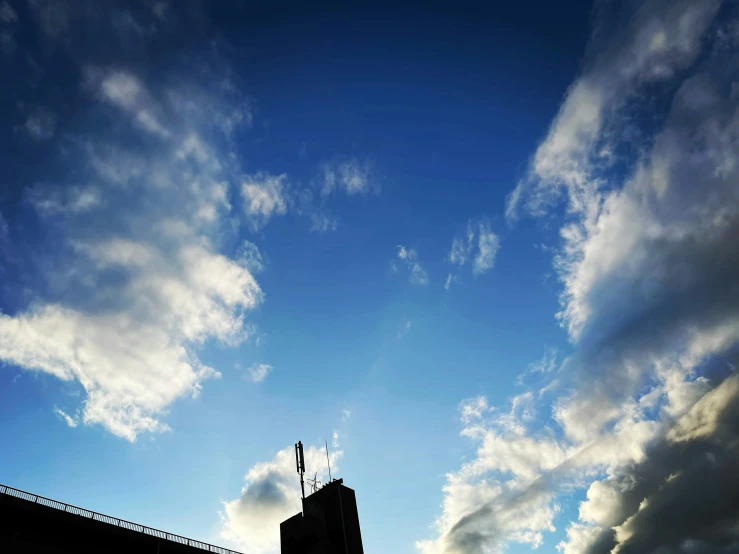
(33, 523)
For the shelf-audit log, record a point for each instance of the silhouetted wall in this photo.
(29, 528)
(329, 524)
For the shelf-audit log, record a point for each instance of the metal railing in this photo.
(10, 491)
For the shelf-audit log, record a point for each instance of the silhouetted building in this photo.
(32, 524)
(329, 523)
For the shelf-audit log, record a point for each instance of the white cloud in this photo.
(133, 362)
(659, 39)
(352, 176)
(488, 245)
(648, 506)
(125, 91)
(335, 439)
(137, 283)
(482, 251)
(251, 257)
(640, 228)
(579, 539)
(473, 409)
(547, 363)
(66, 418)
(270, 496)
(648, 267)
(264, 195)
(507, 492)
(462, 246)
(259, 372)
(416, 273)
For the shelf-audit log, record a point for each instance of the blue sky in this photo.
(485, 252)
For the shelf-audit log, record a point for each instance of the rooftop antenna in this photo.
(328, 461)
(314, 483)
(300, 462)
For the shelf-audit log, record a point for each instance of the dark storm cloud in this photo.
(685, 497)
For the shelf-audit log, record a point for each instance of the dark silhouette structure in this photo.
(329, 523)
(32, 524)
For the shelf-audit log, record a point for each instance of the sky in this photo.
(485, 252)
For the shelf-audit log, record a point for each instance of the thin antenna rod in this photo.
(328, 460)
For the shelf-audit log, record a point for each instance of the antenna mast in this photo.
(328, 461)
(300, 462)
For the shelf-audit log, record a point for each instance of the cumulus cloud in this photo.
(132, 281)
(478, 245)
(648, 267)
(270, 496)
(509, 491)
(481, 511)
(417, 275)
(258, 372)
(650, 507)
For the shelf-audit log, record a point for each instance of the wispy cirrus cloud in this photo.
(478, 245)
(66, 418)
(258, 372)
(352, 175)
(266, 195)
